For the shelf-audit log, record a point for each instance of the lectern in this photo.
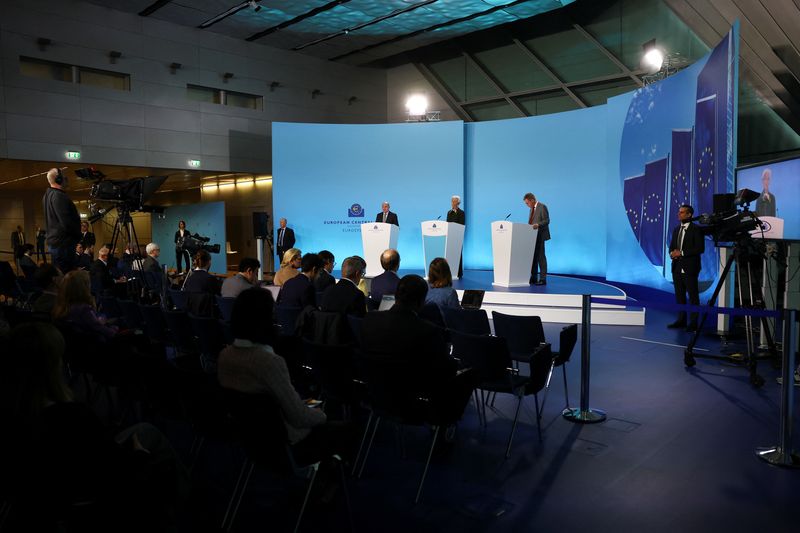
(375, 238)
(442, 239)
(513, 244)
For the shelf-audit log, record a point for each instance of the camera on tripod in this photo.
(193, 243)
(127, 195)
(729, 223)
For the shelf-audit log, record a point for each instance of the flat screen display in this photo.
(778, 183)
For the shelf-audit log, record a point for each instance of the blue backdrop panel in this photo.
(561, 159)
(321, 170)
(206, 219)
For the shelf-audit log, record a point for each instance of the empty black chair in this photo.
(110, 307)
(490, 359)
(472, 321)
(154, 324)
(210, 340)
(180, 332)
(567, 340)
(431, 312)
(523, 334)
(225, 306)
(286, 319)
(333, 370)
(131, 314)
(355, 327)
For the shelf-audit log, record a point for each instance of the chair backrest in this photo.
(155, 326)
(225, 306)
(567, 340)
(524, 334)
(286, 318)
(326, 327)
(332, 368)
(110, 307)
(472, 321)
(131, 313)
(431, 312)
(179, 299)
(180, 331)
(488, 356)
(275, 290)
(540, 368)
(209, 335)
(355, 327)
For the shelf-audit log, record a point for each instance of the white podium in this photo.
(773, 228)
(375, 238)
(442, 239)
(513, 244)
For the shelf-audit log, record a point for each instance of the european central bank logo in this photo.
(355, 211)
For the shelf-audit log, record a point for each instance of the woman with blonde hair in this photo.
(290, 266)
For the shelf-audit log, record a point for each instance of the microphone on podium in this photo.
(439, 217)
(508, 215)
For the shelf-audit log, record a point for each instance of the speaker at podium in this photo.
(375, 238)
(442, 239)
(513, 245)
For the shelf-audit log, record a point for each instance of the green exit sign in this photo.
(73, 155)
(194, 163)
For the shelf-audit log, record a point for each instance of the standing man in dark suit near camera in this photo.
(539, 218)
(387, 216)
(284, 241)
(685, 249)
(456, 214)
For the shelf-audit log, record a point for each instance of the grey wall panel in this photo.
(41, 151)
(43, 129)
(111, 112)
(2, 125)
(112, 136)
(218, 61)
(215, 145)
(40, 103)
(177, 160)
(112, 156)
(171, 119)
(221, 124)
(168, 96)
(173, 141)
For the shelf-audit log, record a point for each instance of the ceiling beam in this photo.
(563, 86)
(494, 83)
(152, 8)
(614, 59)
(440, 88)
(299, 18)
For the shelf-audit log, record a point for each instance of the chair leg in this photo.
(345, 491)
(514, 425)
(314, 470)
(546, 389)
(566, 394)
(494, 396)
(538, 415)
(369, 446)
(233, 503)
(427, 464)
(361, 446)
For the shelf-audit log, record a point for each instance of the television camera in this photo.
(194, 242)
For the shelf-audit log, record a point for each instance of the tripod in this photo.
(743, 253)
(124, 227)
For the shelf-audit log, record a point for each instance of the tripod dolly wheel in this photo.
(688, 359)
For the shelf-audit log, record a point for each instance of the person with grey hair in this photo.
(61, 220)
(345, 297)
(386, 215)
(456, 214)
(284, 240)
(765, 204)
(151, 263)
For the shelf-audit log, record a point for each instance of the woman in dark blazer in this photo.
(180, 252)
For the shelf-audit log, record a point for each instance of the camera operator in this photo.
(685, 248)
(62, 221)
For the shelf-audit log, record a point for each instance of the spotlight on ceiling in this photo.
(254, 5)
(653, 58)
(417, 104)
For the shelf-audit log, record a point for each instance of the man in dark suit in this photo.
(685, 248)
(103, 283)
(151, 263)
(285, 240)
(385, 283)
(87, 237)
(403, 339)
(17, 242)
(387, 216)
(201, 286)
(345, 296)
(456, 214)
(324, 278)
(765, 204)
(539, 218)
(299, 291)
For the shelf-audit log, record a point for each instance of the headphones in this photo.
(59, 177)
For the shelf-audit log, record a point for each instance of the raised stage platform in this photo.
(558, 301)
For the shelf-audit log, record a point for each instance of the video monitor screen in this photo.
(778, 205)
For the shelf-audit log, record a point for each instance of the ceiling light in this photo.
(417, 104)
(653, 57)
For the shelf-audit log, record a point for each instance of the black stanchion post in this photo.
(584, 414)
(782, 454)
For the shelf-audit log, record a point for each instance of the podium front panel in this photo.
(513, 245)
(375, 238)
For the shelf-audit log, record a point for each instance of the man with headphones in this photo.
(62, 221)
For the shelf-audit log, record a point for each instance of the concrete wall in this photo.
(155, 124)
(405, 80)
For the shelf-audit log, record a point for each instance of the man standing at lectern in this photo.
(285, 240)
(456, 214)
(387, 216)
(540, 220)
(685, 248)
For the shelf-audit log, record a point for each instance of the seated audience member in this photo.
(151, 263)
(441, 290)
(325, 279)
(289, 266)
(26, 262)
(419, 347)
(102, 280)
(62, 457)
(345, 297)
(251, 366)
(75, 306)
(78, 254)
(299, 291)
(201, 286)
(86, 258)
(386, 283)
(246, 278)
(48, 279)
